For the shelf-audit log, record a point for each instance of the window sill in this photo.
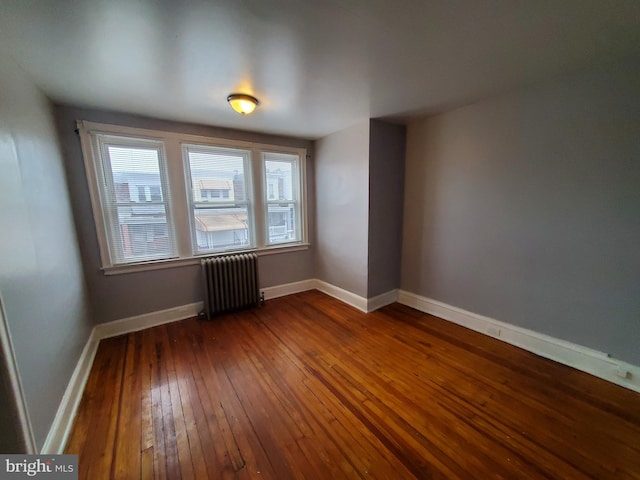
(183, 262)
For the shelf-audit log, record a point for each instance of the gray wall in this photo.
(386, 194)
(526, 208)
(41, 276)
(342, 208)
(120, 296)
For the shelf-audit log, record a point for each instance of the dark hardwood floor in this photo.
(309, 388)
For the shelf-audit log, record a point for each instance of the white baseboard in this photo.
(146, 320)
(63, 421)
(581, 358)
(343, 295)
(288, 288)
(361, 303)
(382, 300)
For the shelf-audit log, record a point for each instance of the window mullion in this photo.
(259, 202)
(178, 204)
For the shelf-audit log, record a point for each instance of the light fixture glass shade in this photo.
(242, 103)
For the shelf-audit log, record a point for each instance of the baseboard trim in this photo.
(363, 304)
(573, 355)
(343, 295)
(382, 300)
(288, 288)
(146, 320)
(61, 427)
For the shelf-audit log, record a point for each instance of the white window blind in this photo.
(220, 198)
(282, 202)
(134, 197)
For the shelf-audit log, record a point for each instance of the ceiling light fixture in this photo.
(242, 103)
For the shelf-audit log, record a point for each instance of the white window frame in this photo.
(177, 194)
(102, 187)
(296, 194)
(193, 204)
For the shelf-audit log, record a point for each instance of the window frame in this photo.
(177, 191)
(249, 202)
(110, 210)
(297, 195)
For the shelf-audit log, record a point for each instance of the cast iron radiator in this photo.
(230, 283)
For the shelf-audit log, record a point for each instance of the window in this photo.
(281, 174)
(213, 193)
(220, 213)
(142, 194)
(166, 197)
(155, 192)
(130, 168)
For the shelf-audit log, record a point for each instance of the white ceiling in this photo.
(316, 65)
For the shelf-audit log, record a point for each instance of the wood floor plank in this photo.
(308, 387)
(100, 432)
(126, 463)
(194, 418)
(178, 408)
(165, 408)
(159, 453)
(146, 463)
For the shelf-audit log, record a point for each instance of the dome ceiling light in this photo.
(242, 103)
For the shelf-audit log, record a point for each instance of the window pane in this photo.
(138, 221)
(142, 232)
(220, 198)
(282, 223)
(217, 175)
(282, 195)
(136, 174)
(220, 229)
(279, 178)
